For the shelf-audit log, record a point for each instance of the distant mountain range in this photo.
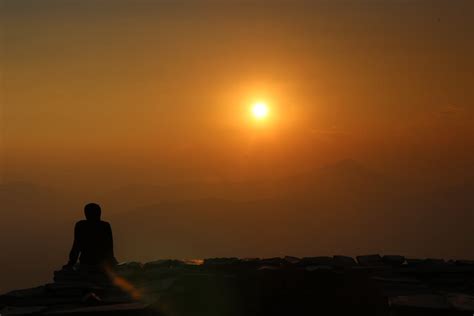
(341, 208)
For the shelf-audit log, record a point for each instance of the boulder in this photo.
(393, 260)
(67, 289)
(344, 261)
(434, 262)
(318, 268)
(465, 262)
(414, 262)
(317, 261)
(162, 263)
(193, 262)
(249, 262)
(82, 274)
(129, 269)
(292, 260)
(91, 298)
(370, 260)
(66, 276)
(276, 261)
(220, 261)
(129, 266)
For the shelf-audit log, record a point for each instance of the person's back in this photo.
(93, 241)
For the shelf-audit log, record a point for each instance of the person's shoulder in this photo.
(105, 223)
(80, 224)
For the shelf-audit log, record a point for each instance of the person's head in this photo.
(92, 212)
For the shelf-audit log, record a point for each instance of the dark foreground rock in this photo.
(374, 285)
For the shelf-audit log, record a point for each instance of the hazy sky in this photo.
(165, 86)
(98, 95)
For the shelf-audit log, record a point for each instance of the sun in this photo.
(260, 110)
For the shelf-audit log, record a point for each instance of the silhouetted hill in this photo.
(344, 207)
(341, 208)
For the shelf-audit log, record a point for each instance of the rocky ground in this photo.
(339, 285)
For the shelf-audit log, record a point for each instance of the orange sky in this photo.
(100, 95)
(149, 84)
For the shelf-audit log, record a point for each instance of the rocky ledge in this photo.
(338, 285)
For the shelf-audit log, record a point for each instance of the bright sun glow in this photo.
(260, 110)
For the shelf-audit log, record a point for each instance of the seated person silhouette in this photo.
(93, 241)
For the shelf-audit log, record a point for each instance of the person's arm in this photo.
(75, 250)
(110, 245)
